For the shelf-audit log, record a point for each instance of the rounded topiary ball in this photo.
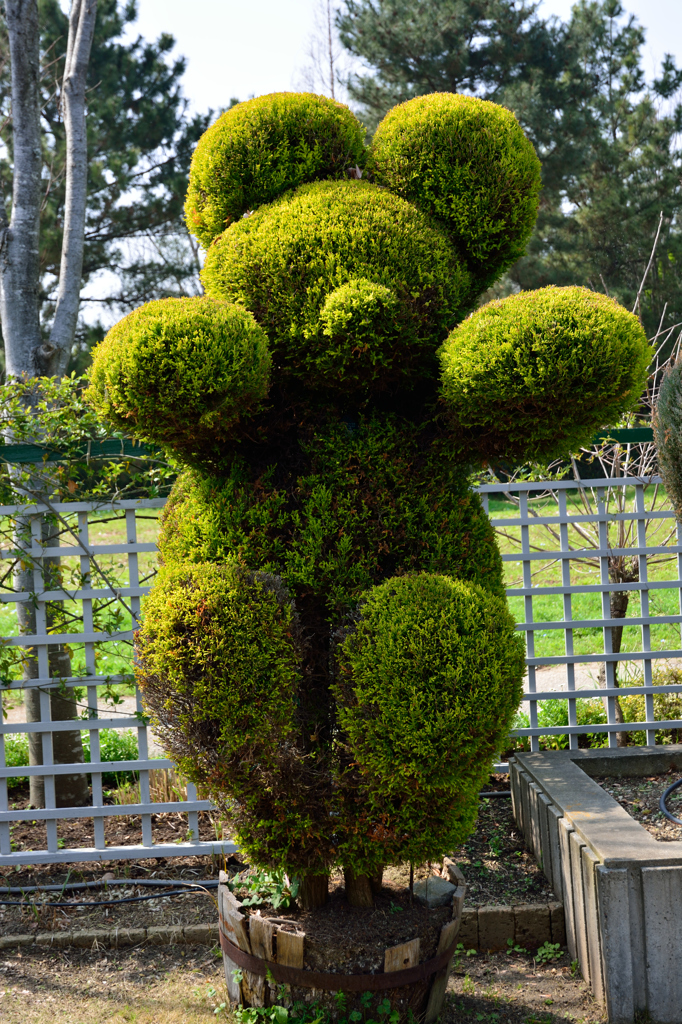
(180, 373)
(429, 678)
(304, 263)
(468, 162)
(259, 149)
(533, 376)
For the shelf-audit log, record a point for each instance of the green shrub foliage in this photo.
(536, 374)
(429, 678)
(327, 650)
(354, 286)
(258, 149)
(221, 674)
(468, 162)
(667, 422)
(180, 373)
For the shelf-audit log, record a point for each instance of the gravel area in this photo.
(640, 796)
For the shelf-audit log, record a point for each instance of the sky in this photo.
(237, 48)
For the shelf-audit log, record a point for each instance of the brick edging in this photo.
(482, 928)
(117, 938)
(528, 925)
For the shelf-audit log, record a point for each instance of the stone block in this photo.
(553, 818)
(168, 935)
(662, 890)
(495, 927)
(576, 846)
(94, 938)
(56, 940)
(614, 918)
(532, 925)
(468, 929)
(545, 856)
(128, 937)
(207, 933)
(558, 922)
(434, 892)
(8, 941)
(565, 829)
(589, 865)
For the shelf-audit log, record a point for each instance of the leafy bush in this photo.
(667, 424)
(114, 745)
(233, 732)
(16, 756)
(355, 507)
(257, 150)
(288, 261)
(533, 376)
(180, 373)
(468, 162)
(429, 677)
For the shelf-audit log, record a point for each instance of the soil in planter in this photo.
(498, 868)
(640, 796)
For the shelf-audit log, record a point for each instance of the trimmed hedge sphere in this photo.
(343, 250)
(533, 376)
(429, 678)
(180, 373)
(260, 148)
(468, 162)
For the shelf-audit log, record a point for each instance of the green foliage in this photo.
(16, 756)
(533, 376)
(286, 260)
(468, 162)
(114, 745)
(548, 952)
(667, 424)
(429, 677)
(259, 149)
(55, 411)
(351, 508)
(358, 1011)
(265, 888)
(180, 372)
(220, 670)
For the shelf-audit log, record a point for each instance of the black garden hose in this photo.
(80, 886)
(661, 803)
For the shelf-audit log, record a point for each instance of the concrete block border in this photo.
(529, 925)
(621, 888)
(482, 929)
(117, 938)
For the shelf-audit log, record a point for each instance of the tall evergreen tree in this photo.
(608, 141)
(140, 140)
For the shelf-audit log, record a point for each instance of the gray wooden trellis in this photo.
(133, 591)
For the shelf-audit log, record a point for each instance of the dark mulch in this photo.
(640, 796)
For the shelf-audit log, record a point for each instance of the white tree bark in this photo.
(19, 261)
(25, 352)
(81, 31)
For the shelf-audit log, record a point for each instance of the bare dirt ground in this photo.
(640, 797)
(172, 985)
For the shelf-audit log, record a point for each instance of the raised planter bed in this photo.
(621, 888)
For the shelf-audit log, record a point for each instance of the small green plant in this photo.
(468, 987)
(548, 952)
(496, 844)
(273, 888)
(460, 951)
(513, 947)
(575, 968)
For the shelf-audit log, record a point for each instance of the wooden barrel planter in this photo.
(265, 962)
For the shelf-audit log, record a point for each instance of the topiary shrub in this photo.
(257, 150)
(296, 262)
(667, 424)
(468, 162)
(180, 373)
(327, 650)
(536, 374)
(428, 681)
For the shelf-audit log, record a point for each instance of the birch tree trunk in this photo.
(26, 353)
